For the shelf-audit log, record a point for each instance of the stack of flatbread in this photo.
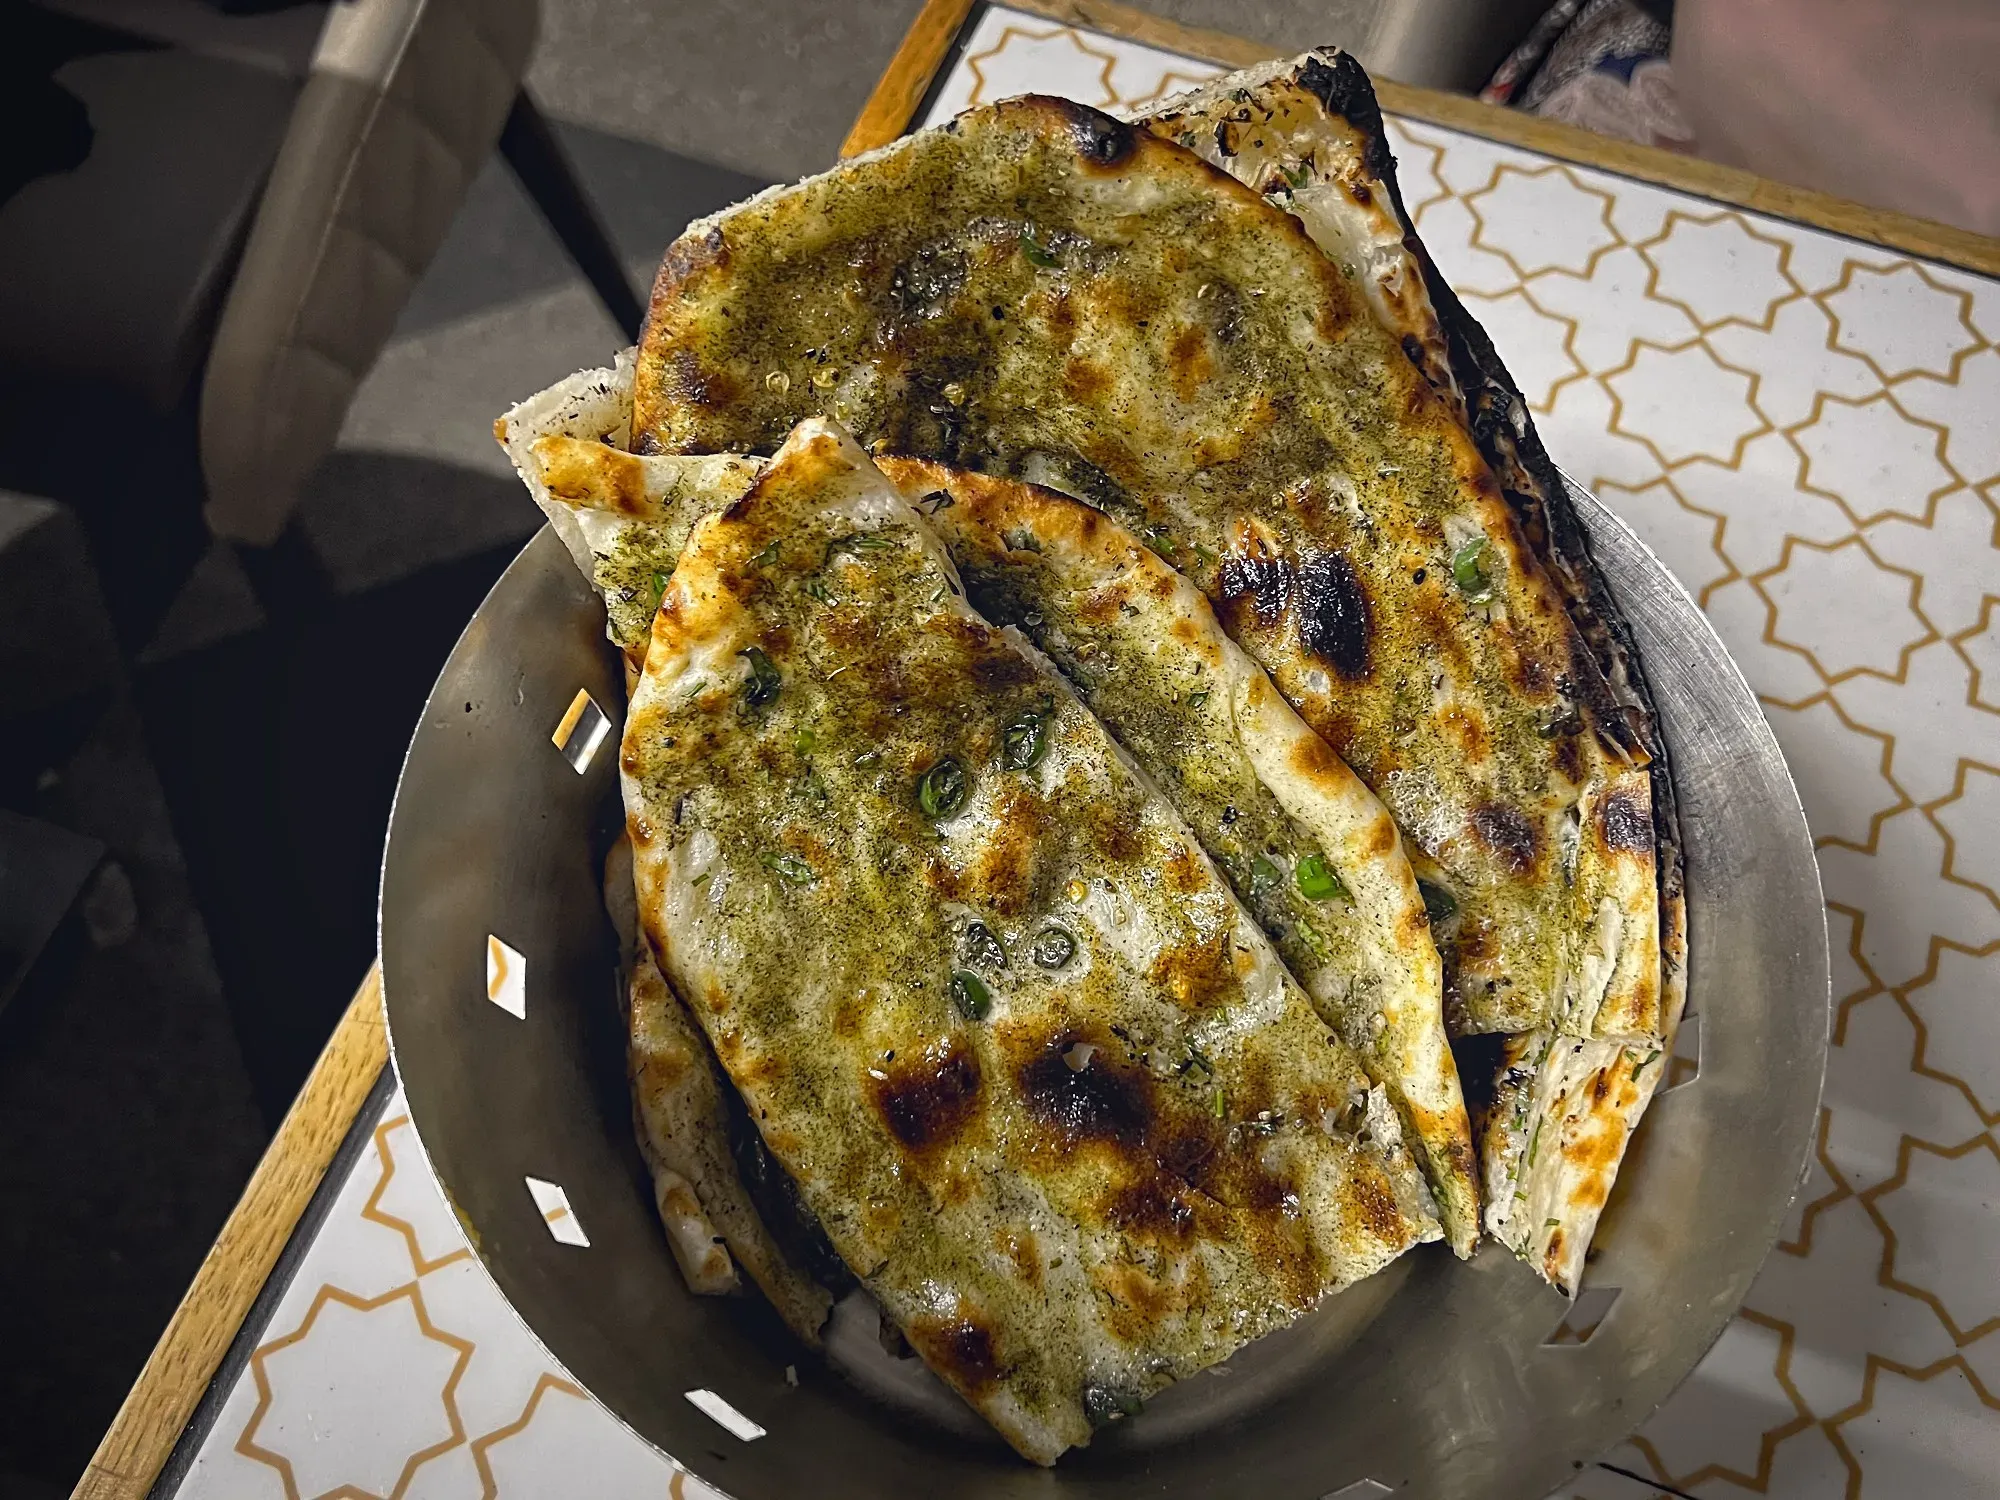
(1121, 716)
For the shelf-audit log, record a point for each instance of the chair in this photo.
(186, 312)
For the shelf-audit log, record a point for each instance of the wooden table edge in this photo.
(893, 105)
(158, 1407)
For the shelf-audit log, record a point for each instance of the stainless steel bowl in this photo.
(1434, 1379)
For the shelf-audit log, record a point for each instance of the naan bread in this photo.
(684, 1133)
(623, 521)
(1562, 1114)
(1308, 135)
(1273, 807)
(1260, 790)
(624, 518)
(1037, 290)
(681, 1117)
(1046, 1085)
(1283, 129)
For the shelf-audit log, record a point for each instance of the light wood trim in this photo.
(892, 106)
(164, 1397)
(1687, 174)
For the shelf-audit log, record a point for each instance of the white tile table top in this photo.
(1807, 429)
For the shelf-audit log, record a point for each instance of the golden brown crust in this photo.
(1148, 657)
(1038, 291)
(1159, 1104)
(1309, 135)
(1317, 148)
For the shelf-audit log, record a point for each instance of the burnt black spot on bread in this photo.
(1340, 83)
(962, 1350)
(1568, 751)
(1334, 620)
(929, 1098)
(1100, 140)
(1258, 581)
(1625, 825)
(692, 253)
(685, 378)
(1508, 833)
(1190, 1149)
(1100, 1101)
(1154, 1208)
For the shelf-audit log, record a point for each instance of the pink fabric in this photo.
(1894, 103)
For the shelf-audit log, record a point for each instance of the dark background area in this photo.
(238, 770)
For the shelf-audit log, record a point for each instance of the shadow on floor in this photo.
(279, 750)
(248, 773)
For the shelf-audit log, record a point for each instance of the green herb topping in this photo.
(790, 868)
(1468, 571)
(1317, 881)
(983, 948)
(1024, 742)
(858, 541)
(1053, 948)
(943, 789)
(970, 995)
(764, 681)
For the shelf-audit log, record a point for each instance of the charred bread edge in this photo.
(1616, 687)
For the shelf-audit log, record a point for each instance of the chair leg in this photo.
(544, 169)
(291, 583)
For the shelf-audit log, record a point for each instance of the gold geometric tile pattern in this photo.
(1807, 430)
(1833, 448)
(392, 1369)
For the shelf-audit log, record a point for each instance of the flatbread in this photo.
(1308, 135)
(1048, 1088)
(1036, 290)
(684, 1132)
(622, 518)
(623, 521)
(681, 1117)
(1553, 1137)
(1265, 795)
(1251, 779)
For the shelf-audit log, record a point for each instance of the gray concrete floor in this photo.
(770, 87)
(670, 111)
